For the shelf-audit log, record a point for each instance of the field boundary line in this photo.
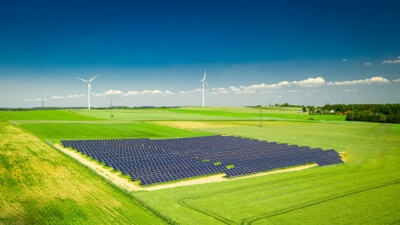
(250, 220)
(204, 212)
(185, 204)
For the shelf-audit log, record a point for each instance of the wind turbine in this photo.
(89, 88)
(204, 81)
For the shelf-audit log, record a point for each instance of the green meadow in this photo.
(43, 115)
(205, 114)
(39, 184)
(56, 131)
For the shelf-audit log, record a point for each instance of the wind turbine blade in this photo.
(206, 83)
(90, 88)
(82, 79)
(93, 78)
(204, 74)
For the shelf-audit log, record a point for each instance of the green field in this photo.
(204, 114)
(43, 115)
(56, 131)
(39, 185)
(364, 190)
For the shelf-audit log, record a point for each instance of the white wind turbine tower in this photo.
(89, 88)
(204, 81)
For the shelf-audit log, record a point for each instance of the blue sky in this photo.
(155, 52)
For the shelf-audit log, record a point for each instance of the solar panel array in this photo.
(161, 160)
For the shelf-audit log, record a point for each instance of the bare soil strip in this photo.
(130, 186)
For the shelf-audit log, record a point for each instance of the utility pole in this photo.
(42, 103)
(111, 108)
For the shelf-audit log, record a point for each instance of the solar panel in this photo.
(161, 160)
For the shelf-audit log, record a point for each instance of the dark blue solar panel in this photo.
(161, 160)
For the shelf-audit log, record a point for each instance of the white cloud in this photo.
(264, 86)
(113, 92)
(155, 92)
(284, 83)
(242, 90)
(219, 89)
(151, 92)
(131, 93)
(135, 93)
(397, 80)
(308, 93)
(252, 89)
(279, 96)
(109, 92)
(349, 90)
(76, 96)
(367, 64)
(310, 82)
(168, 92)
(248, 91)
(392, 61)
(233, 88)
(56, 97)
(35, 100)
(372, 80)
(344, 60)
(195, 91)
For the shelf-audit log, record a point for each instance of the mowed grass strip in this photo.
(107, 131)
(40, 185)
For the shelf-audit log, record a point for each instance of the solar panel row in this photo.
(154, 161)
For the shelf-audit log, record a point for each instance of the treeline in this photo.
(382, 113)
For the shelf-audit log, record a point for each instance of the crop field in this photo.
(38, 183)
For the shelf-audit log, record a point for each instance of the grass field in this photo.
(364, 190)
(39, 185)
(44, 115)
(60, 131)
(204, 114)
